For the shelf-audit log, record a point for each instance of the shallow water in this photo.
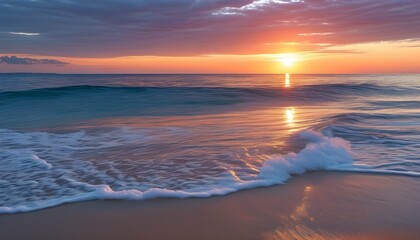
(68, 138)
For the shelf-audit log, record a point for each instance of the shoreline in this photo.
(320, 205)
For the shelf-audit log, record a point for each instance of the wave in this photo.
(62, 105)
(55, 106)
(320, 153)
(323, 91)
(39, 171)
(400, 104)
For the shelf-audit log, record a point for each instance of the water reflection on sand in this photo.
(300, 224)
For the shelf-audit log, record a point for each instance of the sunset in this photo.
(191, 36)
(210, 119)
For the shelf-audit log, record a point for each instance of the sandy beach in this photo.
(319, 205)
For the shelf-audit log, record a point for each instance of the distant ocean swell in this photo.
(305, 92)
(50, 106)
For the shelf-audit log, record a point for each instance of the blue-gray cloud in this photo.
(103, 28)
(25, 60)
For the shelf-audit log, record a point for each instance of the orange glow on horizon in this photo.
(384, 57)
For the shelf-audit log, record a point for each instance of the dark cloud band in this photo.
(21, 60)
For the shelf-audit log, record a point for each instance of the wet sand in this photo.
(319, 205)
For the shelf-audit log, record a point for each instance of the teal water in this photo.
(67, 138)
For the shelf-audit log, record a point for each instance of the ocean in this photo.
(68, 138)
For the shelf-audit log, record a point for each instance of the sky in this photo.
(210, 36)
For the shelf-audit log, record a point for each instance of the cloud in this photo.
(315, 34)
(109, 28)
(25, 61)
(24, 33)
(254, 5)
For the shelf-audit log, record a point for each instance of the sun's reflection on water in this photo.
(290, 116)
(287, 80)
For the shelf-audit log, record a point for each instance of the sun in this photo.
(287, 59)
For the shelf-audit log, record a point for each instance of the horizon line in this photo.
(154, 73)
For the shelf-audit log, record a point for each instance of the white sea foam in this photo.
(320, 153)
(30, 177)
